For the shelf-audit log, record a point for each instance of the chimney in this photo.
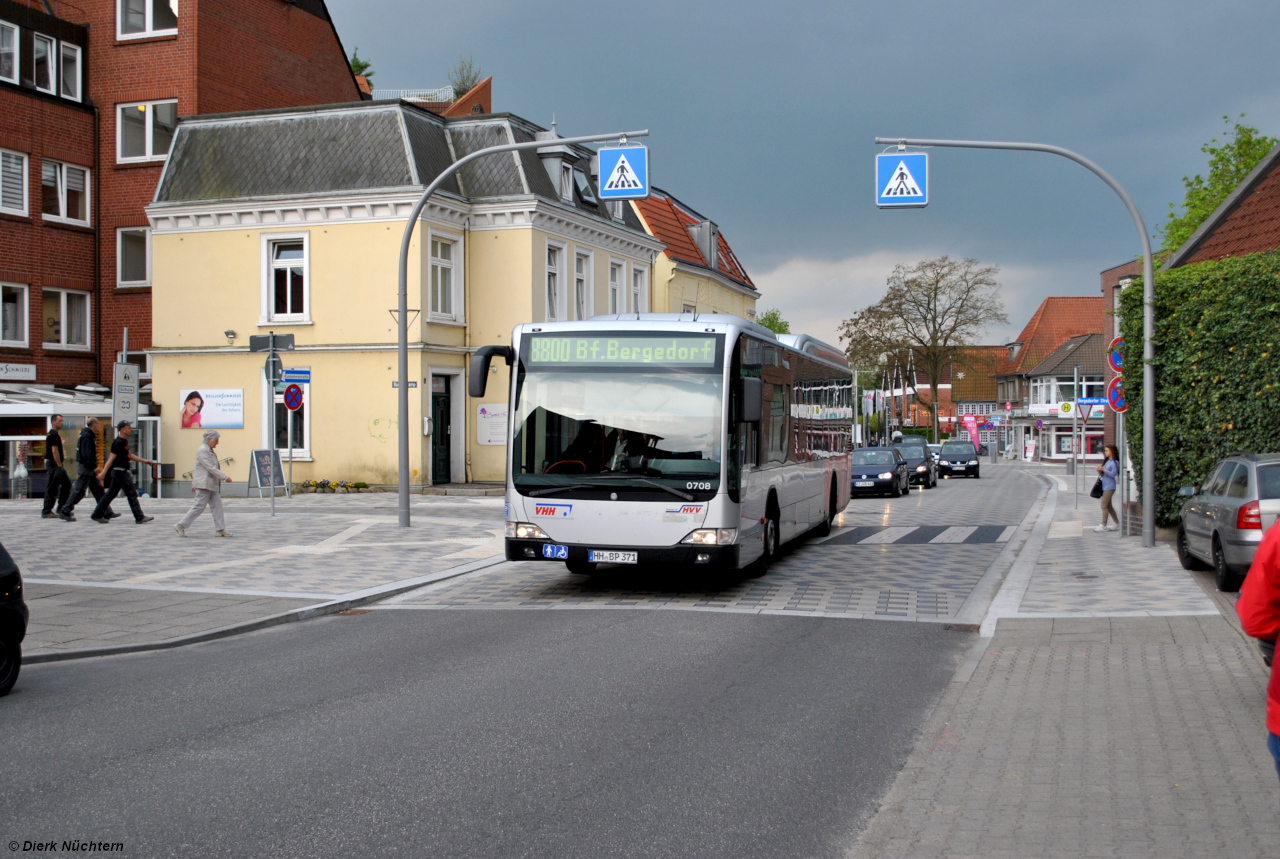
(706, 235)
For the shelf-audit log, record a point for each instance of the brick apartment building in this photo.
(89, 100)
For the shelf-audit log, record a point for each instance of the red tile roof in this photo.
(1247, 222)
(977, 363)
(668, 220)
(1058, 319)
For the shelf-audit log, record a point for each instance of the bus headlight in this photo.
(888, 475)
(712, 536)
(525, 531)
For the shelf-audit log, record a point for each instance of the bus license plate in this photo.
(598, 556)
(558, 553)
(864, 483)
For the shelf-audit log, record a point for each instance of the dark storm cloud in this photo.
(763, 116)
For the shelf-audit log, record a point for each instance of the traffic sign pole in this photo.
(402, 316)
(1148, 306)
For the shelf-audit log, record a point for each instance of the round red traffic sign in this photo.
(293, 397)
(1115, 395)
(1115, 354)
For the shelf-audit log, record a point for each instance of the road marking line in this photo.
(1007, 534)
(888, 535)
(954, 534)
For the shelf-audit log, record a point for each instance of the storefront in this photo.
(26, 413)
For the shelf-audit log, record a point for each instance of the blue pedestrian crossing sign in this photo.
(902, 179)
(624, 173)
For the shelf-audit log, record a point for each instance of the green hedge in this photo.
(1217, 377)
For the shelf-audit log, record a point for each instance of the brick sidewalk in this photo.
(1114, 713)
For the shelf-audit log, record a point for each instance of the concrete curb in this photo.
(352, 600)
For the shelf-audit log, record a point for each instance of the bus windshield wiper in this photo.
(676, 492)
(551, 490)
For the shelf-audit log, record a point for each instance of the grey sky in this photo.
(763, 115)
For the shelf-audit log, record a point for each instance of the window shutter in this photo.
(11, 190)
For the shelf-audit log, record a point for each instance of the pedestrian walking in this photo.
(87, 461)
(1110, 472)
(117, 465)
(206, 484)
(57, 485)
(1259, 610)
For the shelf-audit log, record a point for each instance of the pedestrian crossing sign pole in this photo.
(902, 180)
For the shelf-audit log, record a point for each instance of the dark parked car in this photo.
(880, 471)
(921, 465)
(959, 459)
(1222, 521)
(13, 621)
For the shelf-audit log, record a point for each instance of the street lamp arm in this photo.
(403, 314)
(1148, 304)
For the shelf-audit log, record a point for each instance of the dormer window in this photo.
(8, 53)
(1014, 348)
(43, 70)
(584, 186)
(566, 182)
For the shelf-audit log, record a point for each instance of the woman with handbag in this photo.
(1110, 472)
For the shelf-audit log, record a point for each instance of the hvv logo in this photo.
(687, 509)
(555, 511)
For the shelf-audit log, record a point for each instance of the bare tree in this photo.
(929, 312)
(464, 75)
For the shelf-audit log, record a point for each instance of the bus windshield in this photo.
(601, 422)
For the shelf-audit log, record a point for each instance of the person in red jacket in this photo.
(1259, 610)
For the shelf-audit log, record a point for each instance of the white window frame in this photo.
(269, 400)
(63, 47)
(25, 303)
(457, 286)
(53, 62)
(615, 209)
(566, 182)
(148, 132)
(617, 286)
(588, 283)
(267, 312)
(26, 184)
(553, 283)
(638, 298)
(62, 194)
(63, 345)
(121, 283)
(149, 31)
(17, 52)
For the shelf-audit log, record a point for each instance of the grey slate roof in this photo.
(1087, 350)
(355, 147)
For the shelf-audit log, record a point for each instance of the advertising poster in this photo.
(971, 426)
(211, 408)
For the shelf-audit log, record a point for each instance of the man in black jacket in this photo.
(57, 485)
(87, 459)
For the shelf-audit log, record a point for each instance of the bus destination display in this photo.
(592, 350)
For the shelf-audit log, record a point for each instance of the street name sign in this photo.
(902, 179)
(262, 342)
(124, 394)
(624, 173)
(293, 374)
(1092, 401)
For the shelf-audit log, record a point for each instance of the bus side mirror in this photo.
(752, 393)
(480, 367)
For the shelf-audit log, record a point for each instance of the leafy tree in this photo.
(360, 66)
(772, 319)
(1229, 163)
(928, 314)
(464, 75)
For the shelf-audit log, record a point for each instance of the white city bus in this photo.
(669, 438)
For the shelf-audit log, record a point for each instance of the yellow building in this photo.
(291, 222)
(697, 272)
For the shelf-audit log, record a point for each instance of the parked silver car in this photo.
(1222, 521)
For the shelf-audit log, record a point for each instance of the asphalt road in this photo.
(479, 733)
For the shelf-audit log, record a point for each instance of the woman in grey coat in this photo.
(205, 484)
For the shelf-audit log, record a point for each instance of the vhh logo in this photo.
(557, 511)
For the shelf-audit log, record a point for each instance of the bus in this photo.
(669, 439)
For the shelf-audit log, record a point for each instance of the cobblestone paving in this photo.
(1088, 738)
(907, 565)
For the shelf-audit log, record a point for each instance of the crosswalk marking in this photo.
(954, 534)
(888, 535)
(1007, 534)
